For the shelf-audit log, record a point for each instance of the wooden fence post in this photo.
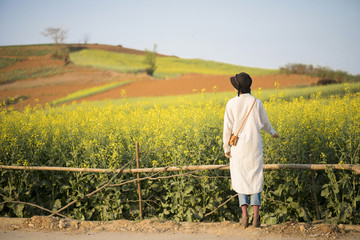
(138, 177)
(318, 217)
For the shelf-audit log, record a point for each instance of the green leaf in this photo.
(293, 191)
(18, 210)
(189, 215)
(271, 221)
(325, 193)
(57, 205)
(188, 189)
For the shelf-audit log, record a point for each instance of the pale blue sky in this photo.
(255, 33)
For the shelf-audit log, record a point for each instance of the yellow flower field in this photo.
(184, 134)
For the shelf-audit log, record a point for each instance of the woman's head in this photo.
(241, 82)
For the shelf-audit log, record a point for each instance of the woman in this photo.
(246, 157)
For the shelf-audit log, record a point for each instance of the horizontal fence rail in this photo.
(355, 168)
(315, 167)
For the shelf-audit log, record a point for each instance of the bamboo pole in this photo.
(130, 170)
(138, 177)
(316, 167)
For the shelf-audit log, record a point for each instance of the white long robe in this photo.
(246, 158)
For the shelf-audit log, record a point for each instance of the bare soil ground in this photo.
(194, 83)
(41, 227)
(38, 226)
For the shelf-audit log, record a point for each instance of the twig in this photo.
(5, 197)
(34, 205)
(220, 205)
(289, 204)
(281, 202)
(210, 177)
(329, 219)
(97, 190)
(30, 204)
(150, 178)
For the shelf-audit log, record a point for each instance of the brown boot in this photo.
(244, 222)
(256, 221)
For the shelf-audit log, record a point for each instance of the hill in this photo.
(31, 75)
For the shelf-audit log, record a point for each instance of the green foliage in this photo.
(311, 91)
(319, 71)
(25, 51)
(25, 73)
(170, 66)
(127, 63)
(61, 53)
(89, 92)
(325, 129)
(10, 101)
(342, 195)
(166, 66)
(5, 62)
(150, 60)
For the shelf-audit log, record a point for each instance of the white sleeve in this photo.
(228, 125)
(264, 120)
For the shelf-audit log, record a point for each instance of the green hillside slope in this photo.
(166, 66)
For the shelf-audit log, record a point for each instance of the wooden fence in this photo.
(138, 170)
(315, 167)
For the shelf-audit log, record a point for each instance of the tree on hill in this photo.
(150, 60)
(86, 38)
(58, 35)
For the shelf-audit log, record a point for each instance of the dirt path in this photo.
(43, 228)
(187, 84)
(20, 235)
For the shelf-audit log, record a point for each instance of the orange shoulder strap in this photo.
(246, 118)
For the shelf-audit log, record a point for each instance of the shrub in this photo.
(319, 71)
(150, 60)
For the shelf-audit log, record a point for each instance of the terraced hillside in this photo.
(31, 75)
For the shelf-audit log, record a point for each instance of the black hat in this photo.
(242, 82)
